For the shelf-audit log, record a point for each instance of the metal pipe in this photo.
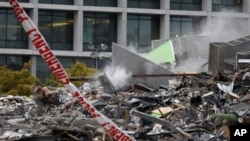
(165, 75)
(82, 79)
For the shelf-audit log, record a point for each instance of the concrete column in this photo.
(78, 2)
(33, 13)
(78, 27)
(122, 29)
(122, 24)
(33, 66)
(122, 3)
(34, 17)
(207, 5)
(246, 6)
(165, 20)
(78, 31)
(165, 4)
(165, 26)
(246, 9)
(34, 1)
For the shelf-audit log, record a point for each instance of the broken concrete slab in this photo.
(137, 64)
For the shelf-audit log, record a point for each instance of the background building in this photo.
(76, 28)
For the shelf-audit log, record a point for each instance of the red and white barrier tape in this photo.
(42, 46)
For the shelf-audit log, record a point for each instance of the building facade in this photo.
(76, 28)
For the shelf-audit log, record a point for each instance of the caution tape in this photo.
(55, 66)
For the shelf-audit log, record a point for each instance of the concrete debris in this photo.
(197, 107)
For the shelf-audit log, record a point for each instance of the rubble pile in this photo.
(199, 107)
(188, 108)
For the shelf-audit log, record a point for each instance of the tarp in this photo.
(163, 53)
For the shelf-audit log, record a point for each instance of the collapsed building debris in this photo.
(187, 108)
(40, 43)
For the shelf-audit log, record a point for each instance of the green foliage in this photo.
(78, 69)
(52, 81)
(16, 82)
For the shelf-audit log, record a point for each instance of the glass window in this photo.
(14, 62)
(217, 1)
(99, 31)
(141, 30)
(145, 32)
(132, 30)
(151, 4)
(44, 72)
(88, 61)
(57, 29)
(193, 5)
(187, 28)
(228, 2)
(2, 60)
(97, 63)
(70, 2)
(224, 5)
(175, 28)
(3, 28)
(108, 3)
(12, 33)
(66, 62)
(183, 26)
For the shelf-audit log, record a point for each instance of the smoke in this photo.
(118, 76)
(191, 65)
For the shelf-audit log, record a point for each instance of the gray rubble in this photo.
(200, 107)
(154, 104)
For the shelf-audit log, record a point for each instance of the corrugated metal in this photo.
(216, 56)
(222, 55)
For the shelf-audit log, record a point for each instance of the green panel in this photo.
(163, 54)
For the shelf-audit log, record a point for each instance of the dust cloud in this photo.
(223, 28)
(220, 28)
(193, 51)
(118, 76)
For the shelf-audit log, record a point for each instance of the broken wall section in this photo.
(136, 64)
